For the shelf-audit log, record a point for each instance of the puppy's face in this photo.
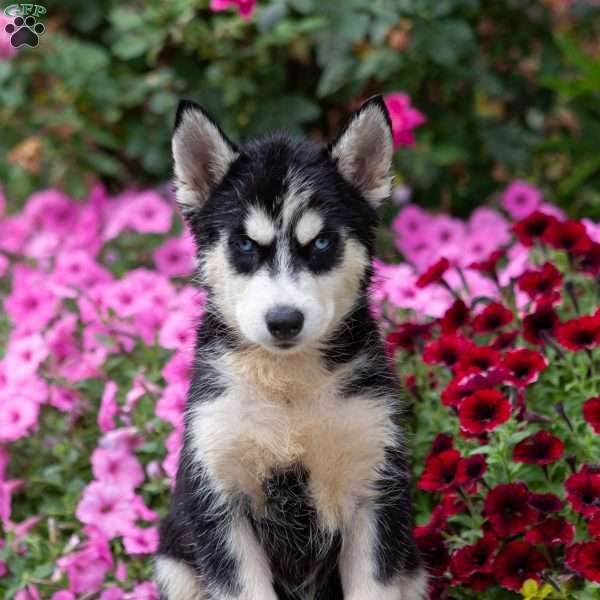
(284, 227)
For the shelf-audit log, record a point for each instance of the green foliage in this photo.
(510, 89)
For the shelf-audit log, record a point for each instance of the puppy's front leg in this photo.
(380, 565)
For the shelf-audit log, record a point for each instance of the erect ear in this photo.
(202, 155)
(364, 150)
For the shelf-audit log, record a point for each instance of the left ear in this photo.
(364, 150)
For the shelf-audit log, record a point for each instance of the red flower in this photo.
(488, 266)
(540, 325)
(541, 448)
(532, 227)
(441, 442)
(494, 316)
(583, 491)
(551, 531)
(508, 510)
(446, 350)
(588, 261)
(455, 317)
(475, 558)
(407, 336)
(434, 273)
(591, 413)
(505, 340)
(571, 236)
(585, 559)
(546, 503)
(594, 525)
(580, 333)
(542, 282)
(471, 470)
(517, 562)
(455, 393)
(483, 411)
(440, 471)
(476, 360)
(523, 366)
(433, 550)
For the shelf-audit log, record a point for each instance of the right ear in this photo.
(202, 155)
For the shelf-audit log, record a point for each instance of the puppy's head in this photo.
(284, 227)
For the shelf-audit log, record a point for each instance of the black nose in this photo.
(284, 322)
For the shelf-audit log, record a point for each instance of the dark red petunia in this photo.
(446, 350)
(571, 236)
(457, 316)
(441, 442)
(508, 510)
(580, 333)
(488, 265)
(493, 317)
(474, 558)
(533, 227)
(542, 282)
(541, 448)
(483, 411)
(546, 503)
(588, 261)
(523, 366)
(434, 273)
(583, 491)
(517, 562)
(407, 336)
(540, 325)
(591, 413)
(471, 470)
(455, 393)
(551, 532)
(476, 359)
(584, 558)
(433, 550)
(594, 525)
(440, 471)
(505, 340)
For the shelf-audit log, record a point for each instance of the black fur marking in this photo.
(298, 551)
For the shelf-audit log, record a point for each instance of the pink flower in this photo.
(7, 50)
(244, 7)
(106, 506)
(171, 404)
(520, 199)
(175, 257)
(112, 593)
(117, 468)
(404, 117)
(6, 491)
(177, 333)
(25, 355)
(173, 444)
(108, 407)
(18, 414)
(145, 591)
(139, 540)
(179, 368)
(78, 269)
(28, 593)
(64, 399)
(52, 210)
(149, 213)
(63, 595)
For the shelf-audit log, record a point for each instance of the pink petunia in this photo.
(108, 407)
(106, 506)
(520, 199)
(175, 257)
(117, 467)
(18, 415)
(149, 213)
(245, 8)
(141, 540)
(405, 118)
(25, 355)
(177, 333)
(170, 405)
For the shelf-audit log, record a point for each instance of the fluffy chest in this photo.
(253, 431)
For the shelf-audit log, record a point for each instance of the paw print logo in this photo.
(25, 32)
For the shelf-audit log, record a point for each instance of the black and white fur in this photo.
(293, 482)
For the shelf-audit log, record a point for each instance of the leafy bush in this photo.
(509, 88)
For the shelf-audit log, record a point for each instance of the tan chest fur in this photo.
(279, 412)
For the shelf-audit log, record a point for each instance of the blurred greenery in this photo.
(511, 88)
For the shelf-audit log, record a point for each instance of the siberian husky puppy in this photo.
(293, 482)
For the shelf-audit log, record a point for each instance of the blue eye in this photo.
(321, 244)
(245, 245)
